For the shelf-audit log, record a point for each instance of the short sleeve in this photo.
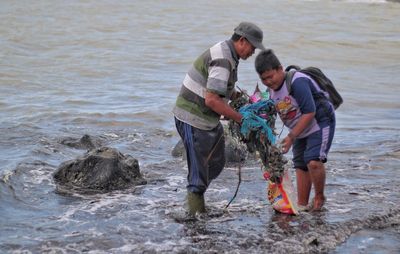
(218, 76)
(301, 91)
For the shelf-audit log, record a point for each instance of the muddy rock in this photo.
(85, 142)
(235, 151)
(179, 150)
(99, 170)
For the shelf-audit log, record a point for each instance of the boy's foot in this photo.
(303, 208)
(317, 204)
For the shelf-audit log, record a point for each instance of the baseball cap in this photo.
(252, 33)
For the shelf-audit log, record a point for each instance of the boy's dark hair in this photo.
(266, 60)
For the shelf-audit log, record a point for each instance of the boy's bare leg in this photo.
(317, 175)
(303, 187)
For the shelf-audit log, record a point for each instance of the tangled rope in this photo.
(257, 132)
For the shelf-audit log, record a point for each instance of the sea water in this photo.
(113, 69)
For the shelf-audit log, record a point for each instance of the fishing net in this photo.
(257, 131)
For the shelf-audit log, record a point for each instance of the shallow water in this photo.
(113, 70)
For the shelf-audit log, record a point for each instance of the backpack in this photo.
(319, 77)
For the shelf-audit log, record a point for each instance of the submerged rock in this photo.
(85, 142)
(99, 170)
(234, 151)
(179, 150)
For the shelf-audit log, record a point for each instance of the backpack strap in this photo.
(296, 67)
(289, 73)
(288, 80)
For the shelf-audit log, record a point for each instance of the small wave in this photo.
(79, 102)
(366, 1)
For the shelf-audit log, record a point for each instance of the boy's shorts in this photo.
(315, 146)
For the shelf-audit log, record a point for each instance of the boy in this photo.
(310, 117)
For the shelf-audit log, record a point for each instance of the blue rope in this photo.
(253, 122)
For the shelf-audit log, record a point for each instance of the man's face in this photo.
(246, 48)
(273, 78)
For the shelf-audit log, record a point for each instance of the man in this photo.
(310, 116)
(203, 99)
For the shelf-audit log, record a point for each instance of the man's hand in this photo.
(217, 104)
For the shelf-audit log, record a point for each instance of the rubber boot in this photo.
(195, 203)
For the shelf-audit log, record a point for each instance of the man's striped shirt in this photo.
(214, 71)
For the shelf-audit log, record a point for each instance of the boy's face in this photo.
(273, 79)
